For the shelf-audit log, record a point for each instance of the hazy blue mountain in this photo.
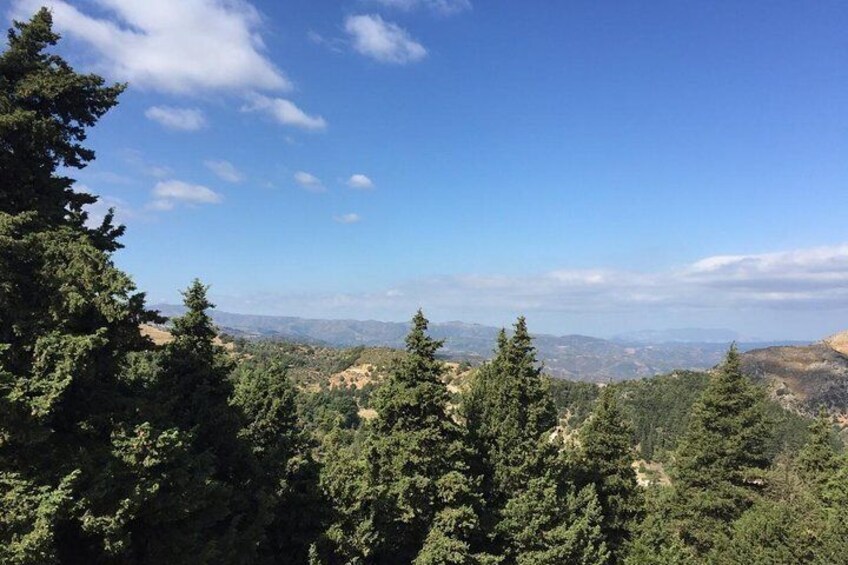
(575, 357)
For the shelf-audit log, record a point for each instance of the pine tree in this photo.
(551, 521)
(818, 462)
(194, 392)
(411, 497)
(267, 400)
(509, 412)
(835, 498)
(68, 317)
(534, 510)
(721, 457)
(607, 459)
(655, 540)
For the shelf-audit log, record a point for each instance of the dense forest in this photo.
(117, 450)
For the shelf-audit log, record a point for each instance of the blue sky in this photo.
(599, 167)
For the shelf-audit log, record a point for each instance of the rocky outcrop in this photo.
(805, 378)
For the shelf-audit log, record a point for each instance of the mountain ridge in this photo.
(573, 356)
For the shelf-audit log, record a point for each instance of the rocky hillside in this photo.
(805, 378)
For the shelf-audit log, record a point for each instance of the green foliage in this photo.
(774, 532)
(573, 400)
(606, 458)
(721, 457)
(655, 540)
(507, 409)
(659, 409)
(817, 461)
(45, 108)
(187, 465)
(534, 509)
(112, 451)
(411, 497)
(328, 409)
(551, 522)
(790, 431)
(28, 518)
(68, 317)
(790, 523)
(282, 448)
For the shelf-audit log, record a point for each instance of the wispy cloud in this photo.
(383, 41)
(443, 7)
(224, 170)
(168, 194)
(334, 44)
(350, 218)
(797, 284)
(176, 47)
(309, 181)
(182, 119)
(360, 182)
(284, 111)
(788, 279)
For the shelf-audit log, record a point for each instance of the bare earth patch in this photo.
(650, 473)
(161, 337)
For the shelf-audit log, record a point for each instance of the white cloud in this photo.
(167, 194)
(178, 47)
(816, 277)
(183, 119)
(360, 181)
(444, 7)
(753, 290)
(224, 170)
(309, 181)
(383, 41)
(334, 44)
(284, 111)
(351, 218)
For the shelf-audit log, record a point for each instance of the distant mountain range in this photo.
(576, 357)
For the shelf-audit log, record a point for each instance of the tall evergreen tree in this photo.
(508, 411)
(267, 400)
(534, 511)
(67, 315)
(835, 497)
(195, 389)
(818, 462)
(412, 499)
(607, 459)
(721, 458)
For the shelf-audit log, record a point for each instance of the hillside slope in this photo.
(804, 378)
